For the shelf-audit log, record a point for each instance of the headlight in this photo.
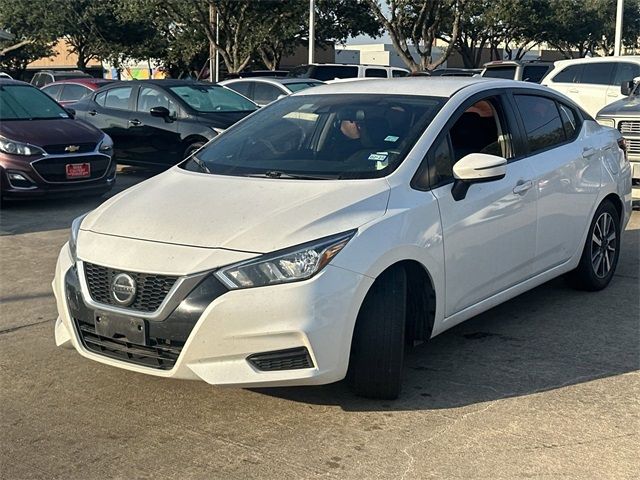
(606, 122)
(13, 147)
(290, 265)
(106, 145)
(73, 238)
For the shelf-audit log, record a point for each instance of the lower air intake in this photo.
(291, 359)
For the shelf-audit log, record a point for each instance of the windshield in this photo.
(212, 98)
(23, 102)
(321, 137)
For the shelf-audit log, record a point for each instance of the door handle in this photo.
(574, 90)
(614, 95)
(135, 122)
(522, 187)
(587, 152)
(92, 112)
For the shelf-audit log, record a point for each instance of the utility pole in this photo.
(213, 51)
(617, 50)
(312, 30)
(217, 51)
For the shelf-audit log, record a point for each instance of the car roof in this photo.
(415, 86)
(273, 80)
(165, 82)
(632, 58)
(10, 81)
(81, 81)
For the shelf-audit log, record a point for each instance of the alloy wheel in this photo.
(603, 245)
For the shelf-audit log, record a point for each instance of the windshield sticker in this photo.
(391, 138)
(378, 157)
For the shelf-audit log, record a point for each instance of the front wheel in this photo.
(378, 339)
(192, 148)
(601, 250)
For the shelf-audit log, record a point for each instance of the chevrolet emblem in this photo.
(72, 148)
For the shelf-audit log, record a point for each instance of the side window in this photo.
(398, 73)
(53, 90)
(118, 98)
(72, 92)
(243, 88)
(626, 71)
(598, 73)
(481, 128)
(570, 74)
(264, 93)
(442, 163)
(40, 80)
(375, 73)
(541, 122)
(569, 120)
(150, 97)
(100, 98)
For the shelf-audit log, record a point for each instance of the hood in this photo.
(257, 215)
(626, 106)
(222, 119)
(50, 132)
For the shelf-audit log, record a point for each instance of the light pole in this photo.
(312, 30)
(213, 51)
(619, 14)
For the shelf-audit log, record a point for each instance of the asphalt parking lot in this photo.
(546, 385)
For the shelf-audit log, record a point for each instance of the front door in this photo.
(157, 138)
(110, 111)
(490, 235)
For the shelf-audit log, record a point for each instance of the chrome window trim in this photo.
(178, 292)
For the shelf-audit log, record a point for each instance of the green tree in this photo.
(419, 23)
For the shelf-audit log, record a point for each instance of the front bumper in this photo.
(318, 314)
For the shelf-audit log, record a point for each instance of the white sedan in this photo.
(327, 231)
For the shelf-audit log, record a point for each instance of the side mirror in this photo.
(162, 112)
(626, 88)
(476, 168)
(71, 112)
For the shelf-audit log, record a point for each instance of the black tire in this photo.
(378, 340)
(598, 262)
(192, 148)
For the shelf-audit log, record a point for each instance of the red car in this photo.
(73, 89)
(44, 150)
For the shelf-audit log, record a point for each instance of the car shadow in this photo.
(45, 214)
(548, 338)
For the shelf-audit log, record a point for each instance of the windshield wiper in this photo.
(279, 174)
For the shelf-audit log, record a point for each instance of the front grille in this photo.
(60, 148)
(54, 169)
(629, 127)
(633, 146)
(161, 354)
(151, 289)
(291, 359)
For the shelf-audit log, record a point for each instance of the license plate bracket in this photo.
(130, 329)
(78, 170)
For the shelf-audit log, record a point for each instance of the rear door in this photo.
(566, 175)
(110, 111)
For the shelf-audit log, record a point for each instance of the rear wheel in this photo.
(378, 340)
(601, 250)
